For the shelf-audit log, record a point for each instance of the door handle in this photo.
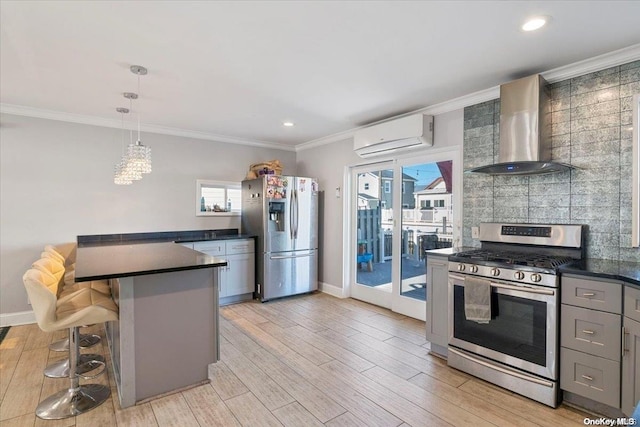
(290, 256)
(511, 287)
(587, 377)
(589, 294)
(588, 332)
(625, 334)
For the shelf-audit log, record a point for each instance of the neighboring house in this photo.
(434, 201)
(368, 191)
(386, 190)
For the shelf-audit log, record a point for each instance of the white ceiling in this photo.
(239, 69)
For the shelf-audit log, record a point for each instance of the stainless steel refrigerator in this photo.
(282, 211)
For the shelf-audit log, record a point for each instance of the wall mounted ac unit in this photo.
(396, 135)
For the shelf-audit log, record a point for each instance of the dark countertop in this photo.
(448, 251)
(125, 260)
(619, 270)
(160, 236)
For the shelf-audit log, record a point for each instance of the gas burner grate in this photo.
(515, 258)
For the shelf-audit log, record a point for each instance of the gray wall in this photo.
(592, 131)
(329, 162)
(57, 182)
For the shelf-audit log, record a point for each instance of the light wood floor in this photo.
(304, 361)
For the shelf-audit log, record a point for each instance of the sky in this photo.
(424, 173)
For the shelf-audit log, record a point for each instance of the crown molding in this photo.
(597, 63)
(20, 110)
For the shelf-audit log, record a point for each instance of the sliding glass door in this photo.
(400, 209)
(373, 233)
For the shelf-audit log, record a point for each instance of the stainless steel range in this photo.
(504, 302)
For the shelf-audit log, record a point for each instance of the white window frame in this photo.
(226, 185)
(387, 186)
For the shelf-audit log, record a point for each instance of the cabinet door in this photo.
(631, 366)
(240, 275)
(437, 302)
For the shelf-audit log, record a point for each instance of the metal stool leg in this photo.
(86, 341)
(76, 399)
(87, 363)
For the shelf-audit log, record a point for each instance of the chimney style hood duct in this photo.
(525, 130)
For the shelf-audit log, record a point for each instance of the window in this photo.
(438, 203)
(218, 198)
(366, 185)
(425, 203)
(404, 187)
(387, 186)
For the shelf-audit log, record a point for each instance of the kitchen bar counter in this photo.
(160, 237)
(167, 333)
(628, 272)
(127, 260)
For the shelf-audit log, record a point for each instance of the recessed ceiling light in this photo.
(534, 23)
(288, 124)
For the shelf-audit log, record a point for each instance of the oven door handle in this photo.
(511, 287)
(502, 370)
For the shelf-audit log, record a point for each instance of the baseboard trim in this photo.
(19, 318)
(331, 290)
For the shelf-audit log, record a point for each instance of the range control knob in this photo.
(474, 268)
(535, 277)
(519, 275)
(495, 272)
(460, 267)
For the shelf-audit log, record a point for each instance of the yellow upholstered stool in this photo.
(85, 306)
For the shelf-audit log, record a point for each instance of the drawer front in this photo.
(605, 296)
(214, 248)
(243, 246)
(632, 303)
(591, 331)
(590, 376)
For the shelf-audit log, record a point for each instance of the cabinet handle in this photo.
(589, 294)
(588, 332)
(587, 377)
(624, 341)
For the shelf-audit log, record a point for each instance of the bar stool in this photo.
(52, 272)
(85, 306)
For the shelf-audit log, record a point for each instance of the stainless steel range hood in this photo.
(525, 130)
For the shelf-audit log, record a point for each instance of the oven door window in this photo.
(517, 328)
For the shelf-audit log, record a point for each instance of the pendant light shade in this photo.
(136, 160)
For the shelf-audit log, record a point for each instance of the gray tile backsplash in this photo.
(591, 130)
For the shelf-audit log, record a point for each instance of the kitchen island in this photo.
(167, 333)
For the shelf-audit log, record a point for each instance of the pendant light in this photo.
(120, 176)
(136, 160)
(139, 155)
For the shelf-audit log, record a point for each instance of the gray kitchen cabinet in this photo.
(237, 279)
(590, 338)
(588, 293)
(590, 376)
(437, 319)
(631, 350)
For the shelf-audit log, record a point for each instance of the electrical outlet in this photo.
(475, 232)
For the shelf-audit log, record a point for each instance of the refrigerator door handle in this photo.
(295, 232)
(291, 204)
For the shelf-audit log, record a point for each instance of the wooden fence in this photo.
(374, 240)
